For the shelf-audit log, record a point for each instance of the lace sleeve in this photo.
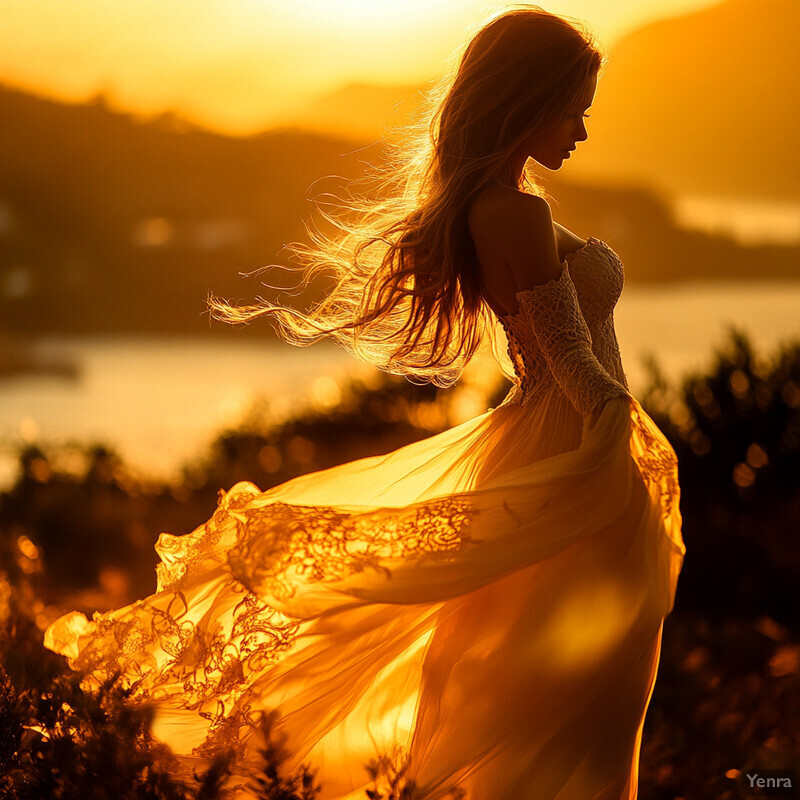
(555, 317)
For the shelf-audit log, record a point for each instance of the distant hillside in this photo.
(108, 223)
(704, 103)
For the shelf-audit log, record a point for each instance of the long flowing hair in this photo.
(406, 289)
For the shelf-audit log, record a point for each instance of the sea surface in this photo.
(159, 401)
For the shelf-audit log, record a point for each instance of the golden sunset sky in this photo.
(240, 66)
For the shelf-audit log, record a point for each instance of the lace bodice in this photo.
(562, 338)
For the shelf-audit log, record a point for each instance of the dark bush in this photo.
(736, 432)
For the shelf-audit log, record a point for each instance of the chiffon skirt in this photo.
(486, 604)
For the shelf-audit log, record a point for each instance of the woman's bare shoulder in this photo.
(517, 228)
(495, 203)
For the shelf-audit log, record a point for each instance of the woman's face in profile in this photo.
(552, 147)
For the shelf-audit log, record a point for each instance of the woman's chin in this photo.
(554, 163)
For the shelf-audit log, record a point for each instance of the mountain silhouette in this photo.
(704, 103)
(112, 222)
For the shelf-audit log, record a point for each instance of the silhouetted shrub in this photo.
(727, 699)
(67, 743)
(736, 432)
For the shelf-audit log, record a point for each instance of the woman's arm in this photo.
(547, 297)
(553, 312)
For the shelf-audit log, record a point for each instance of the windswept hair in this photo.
(407, 294)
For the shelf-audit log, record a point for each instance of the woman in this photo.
(490, 600)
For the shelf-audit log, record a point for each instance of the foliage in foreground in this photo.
(71, 744)
(736, 432)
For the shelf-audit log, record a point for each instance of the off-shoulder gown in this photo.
(488, 602)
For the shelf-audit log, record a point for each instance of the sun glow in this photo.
(367, 15)
(241, 66)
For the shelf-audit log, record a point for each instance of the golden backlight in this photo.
(368, 16)
(241, 66)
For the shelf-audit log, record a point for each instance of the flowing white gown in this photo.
(489, 600)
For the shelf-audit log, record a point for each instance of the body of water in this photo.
(159, 401)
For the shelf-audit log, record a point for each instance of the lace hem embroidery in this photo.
(163, 648)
